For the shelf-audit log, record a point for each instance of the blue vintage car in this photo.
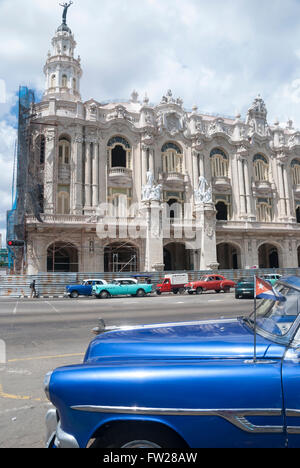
(186, 385)
(83, 289)
(122, 287)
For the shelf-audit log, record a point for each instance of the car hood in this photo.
(205, 339)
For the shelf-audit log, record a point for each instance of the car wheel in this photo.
(104, 295)
(217, 291)
(74, 294)
(138, 437)
(199, 291)
(158, 292)
(140, 293)
(237, 296)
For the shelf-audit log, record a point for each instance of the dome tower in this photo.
(63, 72)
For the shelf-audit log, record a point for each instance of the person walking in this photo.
(33, 290)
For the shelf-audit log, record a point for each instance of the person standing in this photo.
(33, 290)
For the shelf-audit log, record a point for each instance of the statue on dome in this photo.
(65, 6)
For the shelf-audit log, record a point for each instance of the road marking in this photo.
(39, 358)
(15, 309)
(9, 396)
(54, 308)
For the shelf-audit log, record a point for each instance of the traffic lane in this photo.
(40, 346)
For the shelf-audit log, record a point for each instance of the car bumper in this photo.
(55, 436)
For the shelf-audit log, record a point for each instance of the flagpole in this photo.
(255, 319)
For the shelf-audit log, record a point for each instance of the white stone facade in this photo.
(124, 154)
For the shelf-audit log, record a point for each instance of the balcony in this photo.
(120, 175)
(262, 187)
(222, 184)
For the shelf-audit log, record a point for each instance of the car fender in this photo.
(89, 396)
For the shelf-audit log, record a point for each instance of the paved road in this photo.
(44, 334)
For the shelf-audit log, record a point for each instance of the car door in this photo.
(211, 283)
(291, 385)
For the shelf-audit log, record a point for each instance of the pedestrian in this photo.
(33, 290)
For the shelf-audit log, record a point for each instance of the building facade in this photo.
(131, 186)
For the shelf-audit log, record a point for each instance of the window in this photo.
(264, 210)
(219, 163)
(40, 149)
(119, 153)
(64, 81)
(223, 207)
(53, 81)
(296, 171)
(119, 200)
(64, 152)
(261, 168)
(172, 159)
(74, 84)
(63, 203)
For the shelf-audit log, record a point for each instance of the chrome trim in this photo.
(64, 440)
(293, 414)
(51, 425)
(237, 417)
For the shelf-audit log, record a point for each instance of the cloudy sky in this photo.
(216, 54)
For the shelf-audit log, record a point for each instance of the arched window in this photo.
(64, 151)
(219, 163)
(261, 168)
(264, 210)
(40, 149)
(64, 81)
(63, 203)
(296, 171)
(74, 84)
(172, 159)
(53, 81)
(222, 211)
(119, 153)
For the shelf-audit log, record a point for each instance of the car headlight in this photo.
(47, 384)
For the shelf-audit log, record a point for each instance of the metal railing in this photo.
(54, 284)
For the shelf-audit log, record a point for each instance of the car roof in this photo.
(293, 281)
(125, 279)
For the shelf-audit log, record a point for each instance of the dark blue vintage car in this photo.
(186, 385)
(83, 289)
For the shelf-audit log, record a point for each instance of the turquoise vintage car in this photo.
(122, 287)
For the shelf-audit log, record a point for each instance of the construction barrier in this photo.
(54, 284)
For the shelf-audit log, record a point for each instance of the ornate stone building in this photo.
(183, 190)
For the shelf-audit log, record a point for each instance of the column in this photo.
(241, 187)
(78, 205)
(88, 176)
(144, 165)
(195, 169)
(95, 175)
(49, 173)
(282, 204)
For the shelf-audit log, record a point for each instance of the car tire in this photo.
(104, 295)
(199, 291)
(217, 291)
(137, 437)
(140, 293)
(74, 294)
(158, 293)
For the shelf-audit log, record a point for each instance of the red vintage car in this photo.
(210, 283)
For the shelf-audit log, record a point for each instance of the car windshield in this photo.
(277, 317)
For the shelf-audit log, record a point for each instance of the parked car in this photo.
(173, 284)
(83, 289)
(185, 385)
(271, 278)
(122, 287)
(210, 283)
(245, 288)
